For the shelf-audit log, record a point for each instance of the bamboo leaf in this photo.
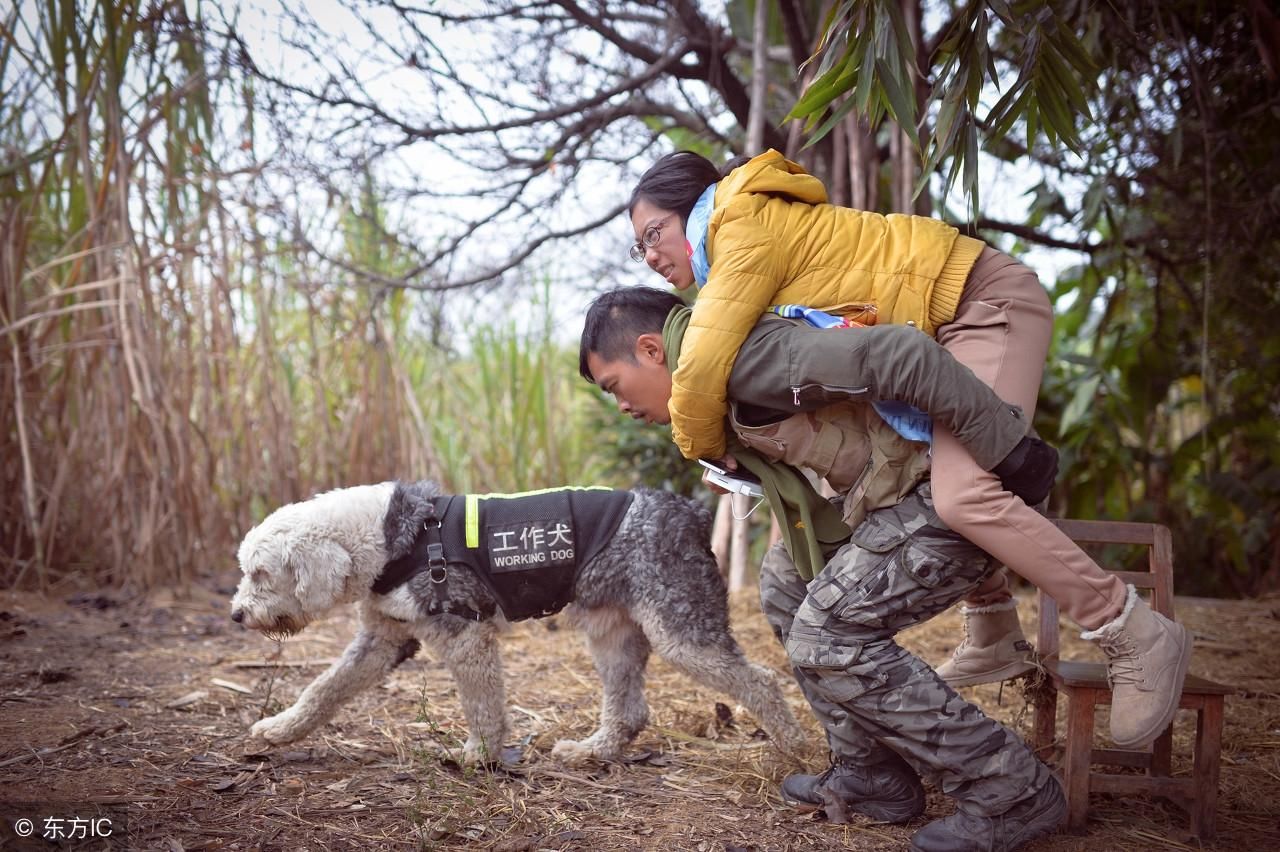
(945, 128)
(1067, 83)
(1008, 109)
(823, 91)
(1093, 199)
(971, 167)
(835, 118)
(1081, 402)
(901, 34)
(902, 104)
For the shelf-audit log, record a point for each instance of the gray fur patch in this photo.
(405, 511)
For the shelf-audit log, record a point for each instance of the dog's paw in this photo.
(572, 752)
(253, 746)
(272, 731)
(474, 753)
(578, 752)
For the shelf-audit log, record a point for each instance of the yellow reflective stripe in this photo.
(540, 491)
(473, 521)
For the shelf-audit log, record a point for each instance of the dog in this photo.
(648, 582)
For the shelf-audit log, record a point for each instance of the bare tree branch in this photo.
(472, 123)
(1031, 235)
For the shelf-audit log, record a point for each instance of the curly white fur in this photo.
(307, 558)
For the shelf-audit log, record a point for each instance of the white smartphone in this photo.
(737, 481)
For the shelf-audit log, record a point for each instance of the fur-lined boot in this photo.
(1147, 659)
(993, 649)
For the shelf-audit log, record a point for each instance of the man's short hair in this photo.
(616, 319)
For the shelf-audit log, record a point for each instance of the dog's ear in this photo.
(322, 567)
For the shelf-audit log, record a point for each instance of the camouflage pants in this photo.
(902, 567)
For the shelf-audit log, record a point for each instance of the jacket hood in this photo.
(772, 174)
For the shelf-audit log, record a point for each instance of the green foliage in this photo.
(1166, 360)
(684, 139)
(868, 63)
(636, 453)
(509, 415)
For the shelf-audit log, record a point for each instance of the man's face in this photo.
(642, 387)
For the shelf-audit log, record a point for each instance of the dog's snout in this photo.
(237, 615)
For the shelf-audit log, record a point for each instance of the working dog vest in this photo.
(526, 547)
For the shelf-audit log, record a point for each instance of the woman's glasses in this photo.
(651, 237)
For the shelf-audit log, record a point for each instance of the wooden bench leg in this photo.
(1208, 758)
(1077, 753)
(1044, 721)
(1162, 754)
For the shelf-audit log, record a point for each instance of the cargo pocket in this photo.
(879, 533)
(932, 562)
(833, 666)
(863, 570)
(923, 566)
(916, 571)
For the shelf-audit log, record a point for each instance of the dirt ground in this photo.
(135, 710)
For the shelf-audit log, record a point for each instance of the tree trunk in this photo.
(741, 543)
(905, 157)
(759, 78)
(840, 177)
(720, 530)
(864, 163)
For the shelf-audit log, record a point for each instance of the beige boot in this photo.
(1147, 658)
(993, 648)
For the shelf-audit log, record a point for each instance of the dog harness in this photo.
(527, 547)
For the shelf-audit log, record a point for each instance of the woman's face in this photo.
(669, 254)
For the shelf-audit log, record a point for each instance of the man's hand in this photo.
(727, 462)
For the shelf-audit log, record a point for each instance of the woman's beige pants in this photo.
(1001, 331)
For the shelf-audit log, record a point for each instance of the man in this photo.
(888, 717)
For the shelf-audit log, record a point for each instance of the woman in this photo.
(763, 235)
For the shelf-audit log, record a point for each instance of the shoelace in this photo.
(1122, 660)
(964, 640)
(834, 763)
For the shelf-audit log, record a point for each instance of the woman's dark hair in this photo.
(616, 319)
(675, 182)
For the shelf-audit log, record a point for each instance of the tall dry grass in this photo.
(172, 369)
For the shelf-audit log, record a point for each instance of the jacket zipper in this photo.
(830, 393)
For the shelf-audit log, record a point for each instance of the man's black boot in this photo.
(1029, 471)
(889, 791)
(1033, 817)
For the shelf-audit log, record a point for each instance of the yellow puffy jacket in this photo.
(773, 239)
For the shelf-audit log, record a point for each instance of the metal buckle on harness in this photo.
(436, 569)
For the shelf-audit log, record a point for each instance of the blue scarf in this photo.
(696, 234)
